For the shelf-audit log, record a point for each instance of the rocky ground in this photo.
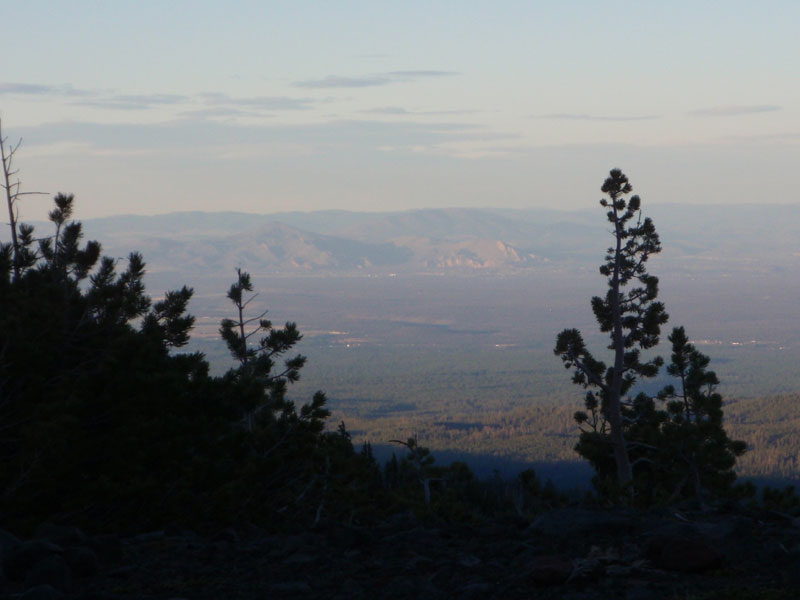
(570, 553)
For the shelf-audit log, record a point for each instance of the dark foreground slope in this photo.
(570, 553)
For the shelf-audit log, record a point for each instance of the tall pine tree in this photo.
(631, 315)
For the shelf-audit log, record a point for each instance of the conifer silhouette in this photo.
(630, 313)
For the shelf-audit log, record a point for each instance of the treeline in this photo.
(770, 427)
(105, 425)
(544, 433)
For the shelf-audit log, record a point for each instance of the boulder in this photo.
(226, 536)
(291, 587)
(51, 570)
(403, 519)
(480, 589)
(108, 548)
(82, 560)
(578, 523)
(42, 592)
(347, 536)
(21, 558)
(683, 554)
(7, 541)
(550, 570)
(410, 587)
(61, 535)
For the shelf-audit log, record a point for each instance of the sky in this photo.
(151, 107)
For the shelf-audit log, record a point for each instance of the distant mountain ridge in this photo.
(459, 239)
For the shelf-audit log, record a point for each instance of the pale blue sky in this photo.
(149, 107)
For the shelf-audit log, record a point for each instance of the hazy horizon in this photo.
(571, 210)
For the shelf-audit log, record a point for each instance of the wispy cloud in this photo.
(585, 117)
(378, 79)
(135, 101)
(387, 110)
(114, 100)
(189, 135)
(112, 105)
(220, 111)
(36, 89)
(258, 102)
(398, 110)
(734, 111)
(334, 81)
(211, 99)
(419, 74)
(153, 98)
(783, 136)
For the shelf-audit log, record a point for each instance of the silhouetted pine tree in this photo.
(265, 388)
(696, 455)
(630, 313)
(283, 448)
(86, 376)
(102, 424)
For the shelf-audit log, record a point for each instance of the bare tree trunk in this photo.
(324, 491)
(13, 194)
(698, 487)
(624, 469)
(678, 489)
(11, 197)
